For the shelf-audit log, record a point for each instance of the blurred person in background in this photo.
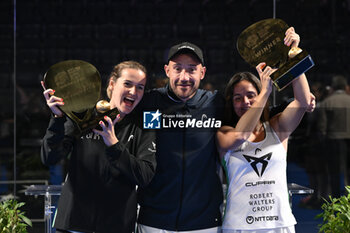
(334, 125)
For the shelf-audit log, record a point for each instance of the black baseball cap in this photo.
(186, 47)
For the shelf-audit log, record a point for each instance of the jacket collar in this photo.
(193, 101)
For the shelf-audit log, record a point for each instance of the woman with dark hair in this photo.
(254, 149)
(230, 117)
(106, 165)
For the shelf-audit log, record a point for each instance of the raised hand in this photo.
(52, 101)
(292, 38)
(265, 79)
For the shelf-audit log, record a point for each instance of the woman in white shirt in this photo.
(254, 150)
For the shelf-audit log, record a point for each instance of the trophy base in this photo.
(87, 125)
(293, 69)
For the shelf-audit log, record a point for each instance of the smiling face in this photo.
(185, 73)
(244, 95)
(127, 90)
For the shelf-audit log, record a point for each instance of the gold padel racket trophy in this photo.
(79, 84)
(263, 42)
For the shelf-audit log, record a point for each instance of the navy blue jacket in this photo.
(186, 192)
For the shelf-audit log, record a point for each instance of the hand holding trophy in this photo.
(264, 42)
(78, 84)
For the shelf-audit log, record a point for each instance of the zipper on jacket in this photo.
(182, 177)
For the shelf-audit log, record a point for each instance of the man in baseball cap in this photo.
(185, 70)
(185, 193)
(186, 47)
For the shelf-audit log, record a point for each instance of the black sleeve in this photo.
(139, 167)
(58, 140)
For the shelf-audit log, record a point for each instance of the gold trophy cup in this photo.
(78, 83)
(263, 42)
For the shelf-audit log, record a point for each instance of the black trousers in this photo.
(338, 158)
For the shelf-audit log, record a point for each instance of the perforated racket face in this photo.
(263, 42)
(77, 82)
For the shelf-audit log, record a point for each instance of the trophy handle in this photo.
(291, 70)
(87, 116)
